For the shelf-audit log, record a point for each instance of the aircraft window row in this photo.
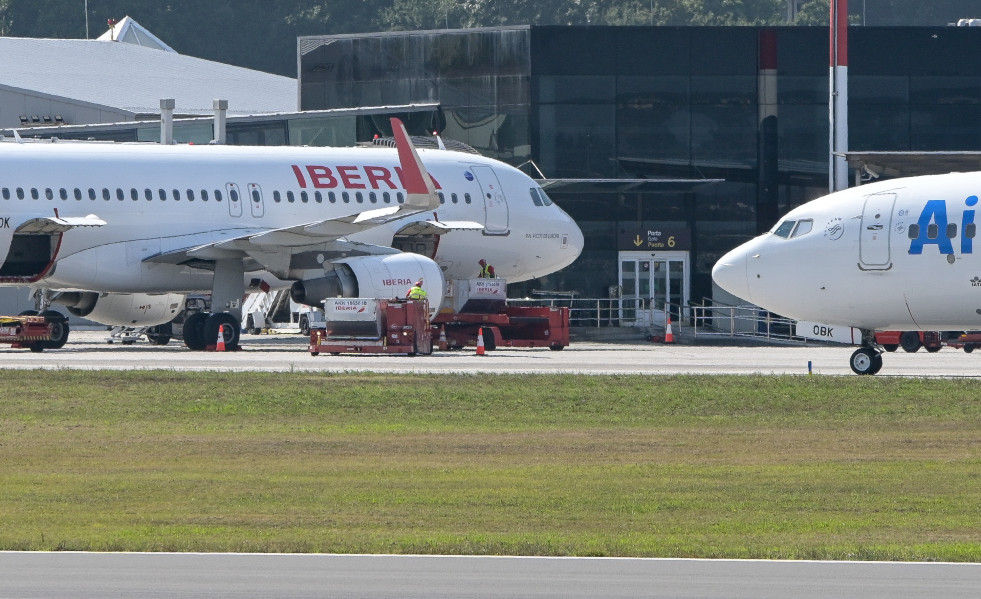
(794, 228)
(539, 197)
(120, 194)
(190, 194)
(358, 197)
(933, 231)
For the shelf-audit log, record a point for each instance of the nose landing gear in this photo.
(866, 359)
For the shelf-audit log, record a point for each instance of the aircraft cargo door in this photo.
(495, 204)
(876, 227)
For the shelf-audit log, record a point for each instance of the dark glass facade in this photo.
(658, 102)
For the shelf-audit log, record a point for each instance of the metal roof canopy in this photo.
(624, 185)
(911, 164)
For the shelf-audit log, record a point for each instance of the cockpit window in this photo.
(803, 227)
(784, 229)
(539, 198)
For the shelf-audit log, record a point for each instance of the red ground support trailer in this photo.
(36, 333)
(910, 341)
(373, 326)
(967, 341)
(481, 304)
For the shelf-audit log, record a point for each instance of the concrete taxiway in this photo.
(288, 352)
(233, 576)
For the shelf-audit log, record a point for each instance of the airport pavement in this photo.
(234, 576)
(288, 352)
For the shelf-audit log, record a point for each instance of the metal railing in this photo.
(708, 319)
(714, 319)
(609, 312)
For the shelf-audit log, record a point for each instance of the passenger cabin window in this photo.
(785, 228)
(63, 193)
(162, 194)
(290, 197)
(318, 197)
(34, 193)
(6, 193)
(48, 193)
(204, 195)
(217, 195)
(190, 195)
(277, 197)
(78, 194)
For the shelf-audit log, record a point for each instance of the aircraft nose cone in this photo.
(730, 273)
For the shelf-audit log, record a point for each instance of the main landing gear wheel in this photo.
(194, 331)
(227, 326)
(866, 360)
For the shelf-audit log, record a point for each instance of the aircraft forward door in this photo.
(875, 232)
(234, 199)
(651, 286)
(495, 204)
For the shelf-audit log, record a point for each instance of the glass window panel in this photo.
(944, 90)
(804, 90)
(870, 89)
(876, 128)
(576, 90)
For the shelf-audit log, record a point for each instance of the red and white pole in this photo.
(838, 103)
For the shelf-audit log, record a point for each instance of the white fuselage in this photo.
(159, 199)
(893, 255)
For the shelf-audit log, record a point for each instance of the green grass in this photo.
(685, 466)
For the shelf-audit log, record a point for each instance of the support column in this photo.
(167, 121)
(767, 190)
(228, 287)
(221, 110)
(838, 102)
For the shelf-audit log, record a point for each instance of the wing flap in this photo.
(48, 225)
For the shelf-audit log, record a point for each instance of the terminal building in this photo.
(668, 145)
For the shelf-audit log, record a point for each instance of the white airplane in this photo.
(891, 255)
(121, 233)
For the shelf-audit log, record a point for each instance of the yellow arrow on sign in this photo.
(638, 241)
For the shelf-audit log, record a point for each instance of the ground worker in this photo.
(416, 292)
(485, 270)
(490, 273)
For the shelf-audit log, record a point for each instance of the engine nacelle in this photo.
(382, 277)
(123, 309)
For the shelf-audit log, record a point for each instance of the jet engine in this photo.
(122, 309)
(382, 277)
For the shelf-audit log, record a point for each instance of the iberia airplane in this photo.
(892, 255)
(120, 233)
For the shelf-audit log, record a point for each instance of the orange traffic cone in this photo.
(480, 341)
(668, 334)
(220, 346)
(442, 339)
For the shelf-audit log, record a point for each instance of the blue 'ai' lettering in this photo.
(934, 211)
(967, 241)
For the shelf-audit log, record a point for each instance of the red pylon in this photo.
(668, 334)
(480, 341)
(220, 345)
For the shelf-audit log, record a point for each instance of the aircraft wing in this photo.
(48, 225)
